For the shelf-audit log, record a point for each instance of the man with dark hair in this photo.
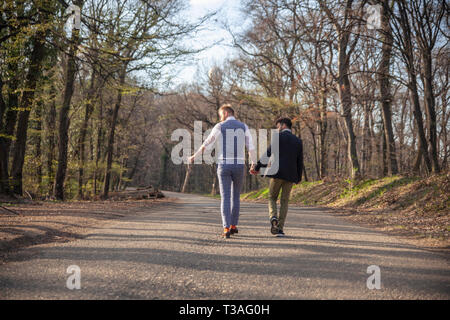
(290, 168)
(285, 121)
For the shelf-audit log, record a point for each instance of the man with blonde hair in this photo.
(231, 135)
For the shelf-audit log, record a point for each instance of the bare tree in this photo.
(402, 31)
(426, 18)
(345, 25)
(384, 81)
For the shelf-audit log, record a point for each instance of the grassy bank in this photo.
(415, 207)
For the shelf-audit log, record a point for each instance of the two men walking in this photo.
(231, 136)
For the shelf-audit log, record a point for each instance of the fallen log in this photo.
(136, 193)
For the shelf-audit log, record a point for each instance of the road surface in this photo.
(175, 251)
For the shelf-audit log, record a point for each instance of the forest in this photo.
(87, 107)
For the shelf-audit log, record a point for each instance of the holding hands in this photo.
(253, 171)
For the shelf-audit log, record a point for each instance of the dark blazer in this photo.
(290, 158)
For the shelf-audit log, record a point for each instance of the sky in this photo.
(211, 33)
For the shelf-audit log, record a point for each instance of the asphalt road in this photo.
(175, 251)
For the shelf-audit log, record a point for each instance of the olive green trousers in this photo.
(275, 185)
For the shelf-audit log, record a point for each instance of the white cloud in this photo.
(209, 3)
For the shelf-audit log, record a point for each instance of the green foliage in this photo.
(307, 184)
(424, 196)
(353, 188)
(262, 193)
(384, 185)
(257, 194)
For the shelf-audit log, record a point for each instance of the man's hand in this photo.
(253, 171)
(192, 158)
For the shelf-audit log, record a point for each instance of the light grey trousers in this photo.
(231, 177)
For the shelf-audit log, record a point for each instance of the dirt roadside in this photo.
(387, 222)
(415, 209)
(42, 222)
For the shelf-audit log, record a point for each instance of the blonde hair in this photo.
(227, 107)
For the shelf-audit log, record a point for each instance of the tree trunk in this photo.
(99, 144)
(186, 178)
(4, 181)
(384, 154)
(34, 72)
(38, 148)
(444, 133)
(51, 140)
(123, 165)
(430, 109)
(132, 171)
(82, 140)
(385, 89)
(344, 28)
(323, 132)
(408, 56)
(7, 131)
(110, 147)
(64, 120)
(418, 161)
(345, 97)
(366, 143)
(423, 145)
(165, 162)
(316, 161)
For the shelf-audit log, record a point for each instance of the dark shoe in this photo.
(233, 231)
(280, 234)
(274, 225)
(226, 234)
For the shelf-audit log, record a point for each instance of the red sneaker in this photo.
(226, 233)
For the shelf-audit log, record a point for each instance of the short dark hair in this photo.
(285, 121)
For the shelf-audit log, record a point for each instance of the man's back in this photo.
(232, 142)
(231, 137)
(290, 157)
